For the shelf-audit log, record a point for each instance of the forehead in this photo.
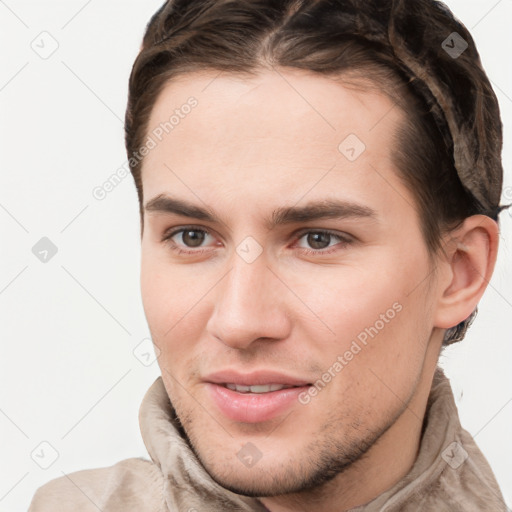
(275, 128)
(275, 97)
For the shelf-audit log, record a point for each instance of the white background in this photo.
(69, 376)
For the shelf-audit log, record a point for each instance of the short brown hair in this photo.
(396, 46)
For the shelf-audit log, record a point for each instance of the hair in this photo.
(392, 46)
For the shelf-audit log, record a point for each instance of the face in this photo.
(280, 248)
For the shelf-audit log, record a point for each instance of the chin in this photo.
(275, 476)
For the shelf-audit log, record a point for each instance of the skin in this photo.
(253, 145)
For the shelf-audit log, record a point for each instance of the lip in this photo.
(254, 378)
(253, 407)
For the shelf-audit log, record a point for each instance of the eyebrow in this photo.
(324, 209)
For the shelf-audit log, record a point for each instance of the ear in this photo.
(470, 253)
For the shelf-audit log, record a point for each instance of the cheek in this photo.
(175, 306)
(349, 295)
(375, 312)
(164, 297)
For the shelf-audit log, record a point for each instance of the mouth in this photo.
(258, 388)
(254, 397)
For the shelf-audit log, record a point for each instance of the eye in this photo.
(321, 239)
(190, 237)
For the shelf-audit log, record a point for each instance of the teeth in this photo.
(265, 388)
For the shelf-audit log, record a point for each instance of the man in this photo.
(319, 189)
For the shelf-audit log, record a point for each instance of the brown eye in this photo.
(193, 237)
(322, 242)
(186, 238)
(319, 240)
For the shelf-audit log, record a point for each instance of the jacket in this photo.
(450, 472)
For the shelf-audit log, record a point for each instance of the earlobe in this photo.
(471, 252)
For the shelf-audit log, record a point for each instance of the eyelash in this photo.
(344, 241)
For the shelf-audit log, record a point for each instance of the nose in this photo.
(249, 305)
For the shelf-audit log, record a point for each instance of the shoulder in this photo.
(131, 484)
